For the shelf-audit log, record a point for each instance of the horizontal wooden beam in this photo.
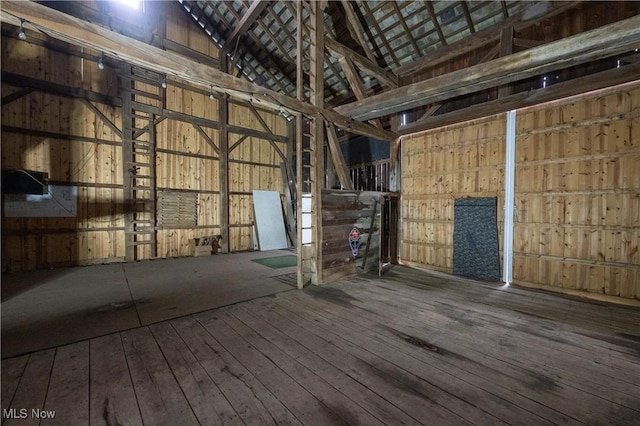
(524, 19)
(85, 34)
(203, 122)
(601, 80)
(190, 53)
(613, 39)
(55, 136)
(58, 89)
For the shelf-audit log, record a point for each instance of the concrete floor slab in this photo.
(166, 289)
(59, 306)
(49, 308)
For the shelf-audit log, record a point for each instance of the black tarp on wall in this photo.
(475, 238)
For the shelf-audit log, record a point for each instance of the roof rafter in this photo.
(252, 14)
(356, 83)
(85, 34)
(525, 18)
(467, 16)
(407, 31)
(197, 13)
(505, 11)
(385, 77)
(436, 24)
(603, 42)
(269, 60)
(357, 32)
(376, 25)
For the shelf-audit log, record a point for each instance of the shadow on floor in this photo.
(44, 309)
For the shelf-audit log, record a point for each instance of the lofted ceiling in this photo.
(389, 33)
(402, 60)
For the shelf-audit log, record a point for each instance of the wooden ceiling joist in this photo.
(81, 33)
(613, 39)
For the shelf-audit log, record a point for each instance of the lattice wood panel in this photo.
(177, 209)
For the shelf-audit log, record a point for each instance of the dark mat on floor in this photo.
(277, 262)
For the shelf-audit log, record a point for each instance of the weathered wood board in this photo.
(79, 143)
(577, 193)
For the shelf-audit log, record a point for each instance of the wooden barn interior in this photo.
(320, 212)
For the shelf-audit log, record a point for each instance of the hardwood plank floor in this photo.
(408, 348)
(111, 385)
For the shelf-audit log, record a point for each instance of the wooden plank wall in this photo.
(88, 154)
(465, 160)
(578, 195)
(188, 162)
(341, 212)
(577, 222)
(94, 167)
(253, 164)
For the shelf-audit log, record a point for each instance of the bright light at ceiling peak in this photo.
(133, 4)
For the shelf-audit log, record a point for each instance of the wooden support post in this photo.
(301, 275)
(394, 157)
(371, 229)
(223, 163)
(316, 150)
(506, 49)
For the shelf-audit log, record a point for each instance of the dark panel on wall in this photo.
(475, 238)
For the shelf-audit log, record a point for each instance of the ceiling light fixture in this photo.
(211, 96)
(21, 34)
(164, 82)
(101, 61)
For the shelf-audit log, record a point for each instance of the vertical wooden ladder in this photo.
(307, 158)
(142, 100)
